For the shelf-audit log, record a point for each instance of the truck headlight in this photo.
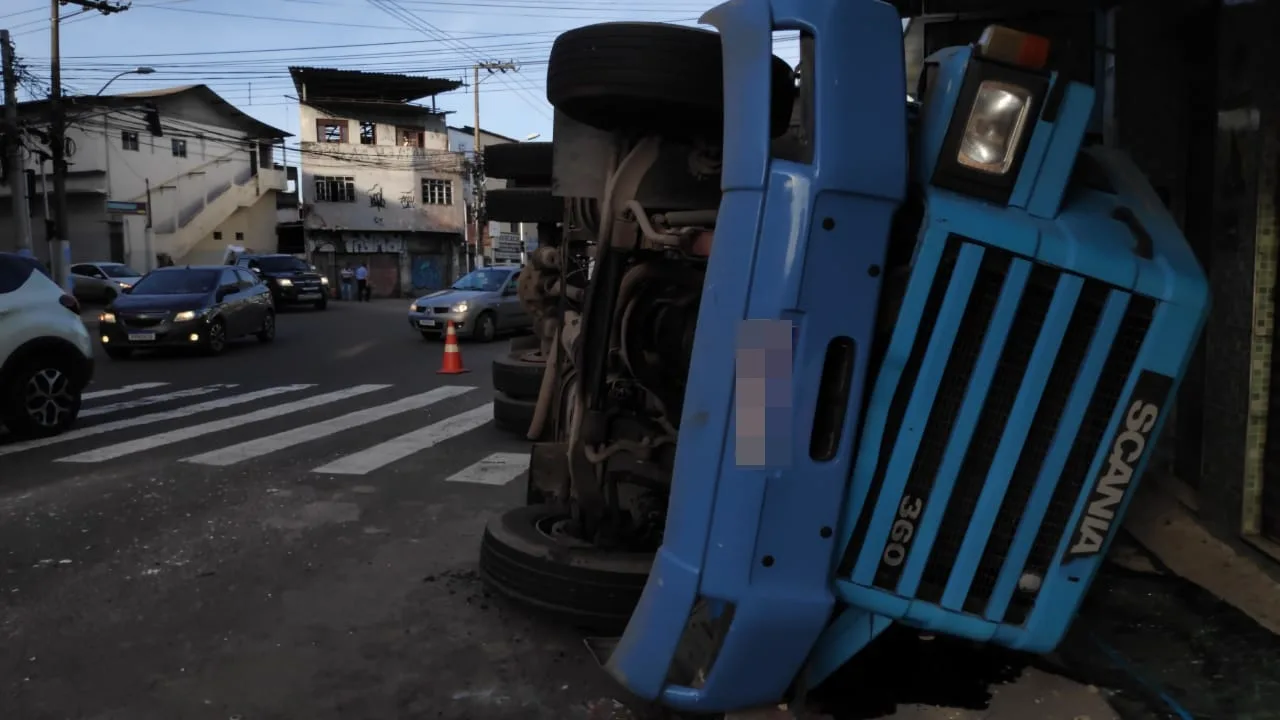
(997, 120)
(324, 281)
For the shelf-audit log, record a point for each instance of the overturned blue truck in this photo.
(819, 361)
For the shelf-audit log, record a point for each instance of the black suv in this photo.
(292, 281)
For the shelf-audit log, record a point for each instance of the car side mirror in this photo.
(224, 291)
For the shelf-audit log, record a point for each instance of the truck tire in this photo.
(516, 377)
(513, 415)
(527, 163)
(523, 205)
(587, 587)
(652, 78)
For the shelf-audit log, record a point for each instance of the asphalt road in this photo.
(290, 531)
(242, 541)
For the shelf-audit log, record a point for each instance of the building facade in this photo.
(207, 179)
(496, 244)
(380, 184)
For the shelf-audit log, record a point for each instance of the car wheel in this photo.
(486, 328)
(526, 556)
(215, 338)
(268, 331)
(41, 398)
(116, 353)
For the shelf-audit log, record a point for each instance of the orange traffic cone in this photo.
(451, 363)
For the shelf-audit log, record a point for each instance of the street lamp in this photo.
(143, 70)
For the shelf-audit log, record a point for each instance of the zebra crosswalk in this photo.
(141, 420)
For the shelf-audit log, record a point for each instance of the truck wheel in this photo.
(517, 377)
(513, 415)
(523, 205)
(651, 78)
(524, 557)
(527, 163)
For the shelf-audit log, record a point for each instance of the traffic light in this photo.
(152, 116)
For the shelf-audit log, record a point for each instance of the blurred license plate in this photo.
(141, 337)
(309, 296)
(426, 323)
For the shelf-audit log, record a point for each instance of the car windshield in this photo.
(177, 282)
(119, 271)
(282, 264)
(486, 280)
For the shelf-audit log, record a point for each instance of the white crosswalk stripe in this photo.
(99, 394)
(194, 431)
(354, 419)
(154, 400)
(408, 444)
(152, 418)
(307, 433)
(497, 469)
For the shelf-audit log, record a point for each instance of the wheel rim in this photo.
(48, 397)
(216, 337)
(269, 326)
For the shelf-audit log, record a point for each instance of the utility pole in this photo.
(477, 189)
(12, 135)
(60, 252)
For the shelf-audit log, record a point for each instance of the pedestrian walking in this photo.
(362, 283)
(347, 278)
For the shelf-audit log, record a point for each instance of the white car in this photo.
(46, 357)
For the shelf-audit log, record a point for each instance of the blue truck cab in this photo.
(984, 461)
(934, 350)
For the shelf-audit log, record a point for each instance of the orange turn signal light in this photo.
(1014, 47)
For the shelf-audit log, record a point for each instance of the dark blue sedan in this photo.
(200, 307)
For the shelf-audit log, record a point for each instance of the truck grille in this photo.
(978, 455)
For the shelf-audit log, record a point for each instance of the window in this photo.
(437, 192)
(229, 279)
(331, 131)
(129, 140)
(119, 270)
(177, 281)
(282, 263)
(179, 148)
(368, 133)
(217, 234)
(408, 137)
(332, 188)
(240, 237)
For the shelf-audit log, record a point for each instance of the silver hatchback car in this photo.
(481, 304)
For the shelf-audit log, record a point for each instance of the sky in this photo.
(242, 48)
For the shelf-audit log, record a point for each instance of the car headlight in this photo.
(324, 281)
(125, 285)
(997, 119)
(459, 307)
(414, 308)
(187, 315)
(284, 282)
(107, 318)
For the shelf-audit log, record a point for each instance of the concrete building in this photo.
(463, 139)
(211, 173)
(380, 184)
